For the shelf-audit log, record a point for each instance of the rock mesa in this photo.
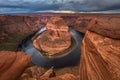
(55, 39)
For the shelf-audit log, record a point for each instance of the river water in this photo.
(72, 58)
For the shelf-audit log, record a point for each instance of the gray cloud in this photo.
(7, 6)
(103, 4)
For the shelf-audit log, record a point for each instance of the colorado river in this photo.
(71, 58)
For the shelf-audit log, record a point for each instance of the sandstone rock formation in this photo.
(105, 26)
(100, 54)
(63, 77)
(100, 59)
(21, 23)
(36, 71)
(39, 73)
(11, 24)
(81, 24)
(56, 39)
(12, 64)
(48, 74)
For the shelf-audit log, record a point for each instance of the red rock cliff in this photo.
(100, 59)
(13, 64)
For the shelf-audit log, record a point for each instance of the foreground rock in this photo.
(56, 39)
(63, 77)
(39, 73)
(12, 64)
(100, 59)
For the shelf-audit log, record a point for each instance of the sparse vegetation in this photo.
(12, 43)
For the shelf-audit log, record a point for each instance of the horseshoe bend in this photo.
(56, 38)
(60, 46)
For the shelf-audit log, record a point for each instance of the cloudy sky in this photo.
(31, 6)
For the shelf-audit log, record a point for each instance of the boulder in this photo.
(48, 74)
(100, 58)
(13, 64)
(55, 39)
(36, 71)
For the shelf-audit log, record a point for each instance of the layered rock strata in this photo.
(108, 27)
(100, 59)
(13, 64)
(55, 39)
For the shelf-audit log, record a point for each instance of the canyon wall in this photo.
(14, 28)
(100, 50)
(100, 58)
(11, 24)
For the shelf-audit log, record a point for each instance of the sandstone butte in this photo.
(55, 39)
(100, 51)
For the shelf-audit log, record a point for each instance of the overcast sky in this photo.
(30, 6)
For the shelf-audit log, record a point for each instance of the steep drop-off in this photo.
(100, 59)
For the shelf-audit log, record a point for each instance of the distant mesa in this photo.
(55, 39)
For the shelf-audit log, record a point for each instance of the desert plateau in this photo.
(96, 57)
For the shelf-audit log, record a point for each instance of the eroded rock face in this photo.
(66, 76)
(11, 24)
(13, 64)
(39, 73)
(81, 24)
(100, 59)
(106, 26)
(56, 39)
